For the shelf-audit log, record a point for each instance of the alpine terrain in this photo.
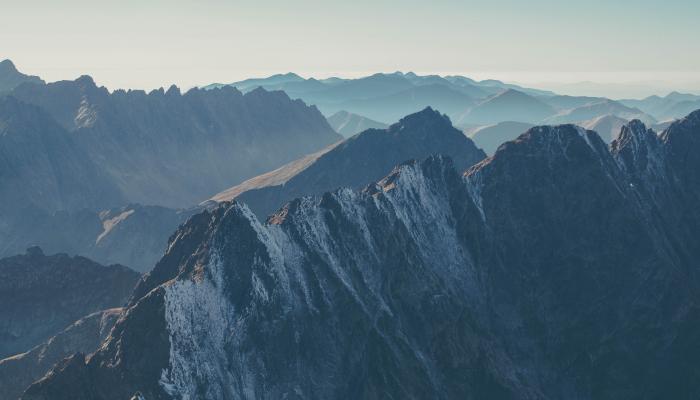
(557, 268)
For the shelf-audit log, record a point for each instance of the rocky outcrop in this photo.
(550, 270)
(41, 295)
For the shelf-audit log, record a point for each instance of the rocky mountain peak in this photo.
(86, 82)
(427, 116)
(637, 149)
(634, 133)
(554, 141)
(10, 77)
(7, 66)
(173, 90)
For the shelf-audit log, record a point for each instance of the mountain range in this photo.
(490, 137)
(171, 149)
(356, 161)
(672, 106)
(560, 267)
(386, 97)
(72, 155)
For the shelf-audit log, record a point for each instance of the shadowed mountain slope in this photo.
(41, 295)
(359, 160)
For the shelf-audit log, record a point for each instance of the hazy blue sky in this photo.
(146, 44)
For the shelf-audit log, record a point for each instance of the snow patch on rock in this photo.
(199, 318)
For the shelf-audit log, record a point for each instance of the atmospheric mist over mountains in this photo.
(367, 200)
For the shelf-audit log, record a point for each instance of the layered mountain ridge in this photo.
(71, 153)
(171, 149)
(386, 97)
(358, 160)
(558, 268)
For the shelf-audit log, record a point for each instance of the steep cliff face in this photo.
(550, 270)
(41, 295)
(172, 149)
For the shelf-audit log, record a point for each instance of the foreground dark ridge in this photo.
(555, 269)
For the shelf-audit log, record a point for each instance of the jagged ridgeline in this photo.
(164, 147)
(558, 268)
(363, 158)
(77, 161)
